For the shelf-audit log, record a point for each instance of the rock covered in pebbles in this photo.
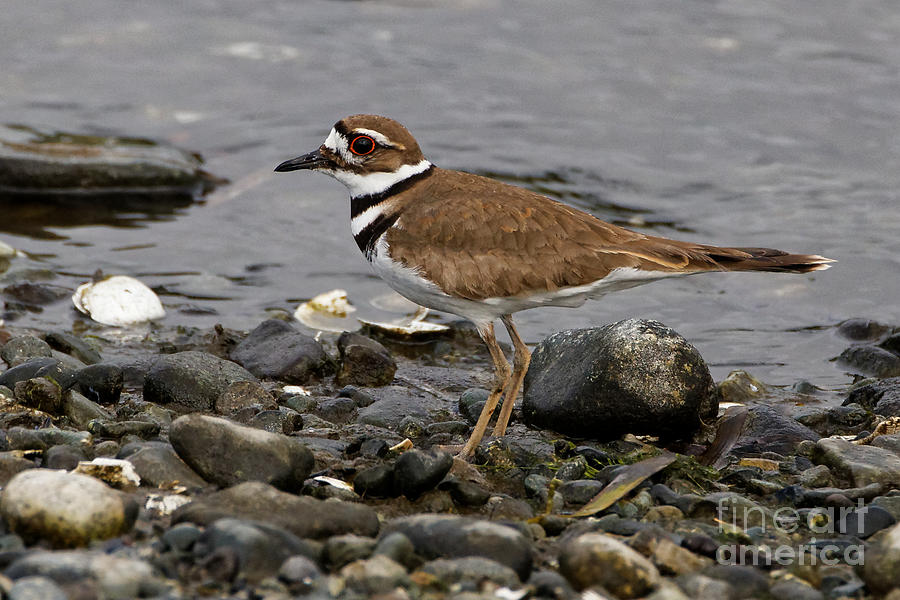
(634, 376)
(448, 536)
(303, 516)
(80, 509)
(276, 350)
(191, 380)
(363, 361)
(595, 559)
(227, 454)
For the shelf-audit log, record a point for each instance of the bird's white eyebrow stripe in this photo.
(378, 137)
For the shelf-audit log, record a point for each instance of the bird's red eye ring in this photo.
(362, 145)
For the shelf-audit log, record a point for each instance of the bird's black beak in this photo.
(313, 160)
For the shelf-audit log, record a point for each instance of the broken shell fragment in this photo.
(327, 312)
(414, 326)
(118, 300)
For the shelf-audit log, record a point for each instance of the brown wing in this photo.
(504, 240)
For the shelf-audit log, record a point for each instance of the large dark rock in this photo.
(767, 429)
(395, 403)
(159, 466)
(101, 382)
(276, 350)
(881, 397)
(303, 516)
(364, 361)
(633, 376)
(871, 361)
(417, 471)
(448, 536)
(260, 547)
(227, 454)
(25, 371)
(191, 380)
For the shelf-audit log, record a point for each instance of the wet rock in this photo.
(520, 447)
(40, 393)
(11, 464)
(342, 550)
(63, 457)
(594, 559)
(863, 465)
(374, 576)
(411, 428)
(61, 374)
(304, 517)
(750, 581)
(883, 562)
(25, 371)
(417, 471)
(73, 346)
(363, 361)
(336, 410)
(191, 380)
(866, 521)
(36, 588)
(299, 573)
(82, 411)
(669, 557)
(816, 477)
(794, 589)
(120, 429)
(243, 394)
(465, 493)
(398, 548)
(768, 430)
(471, 571)
(871, 361)
(260, 548)
(471, 403)
(862, 330)
(550, 584)
(580, 491)
(881, 397)
(22, 348)
(39, 162)
(634, 376)
(448, 427)
(376, 482)
(446, 536)
(275, 350)
(227, 454)
(572, 469)
(361, 398)
(101, 382)
(159, 466)
(97, 574)
(80, 509)
(701, 587)
(281, 420)
(741, 387)
(396, 403)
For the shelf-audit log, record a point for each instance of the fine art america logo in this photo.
(831, 535)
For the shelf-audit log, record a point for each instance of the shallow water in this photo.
(748, 124)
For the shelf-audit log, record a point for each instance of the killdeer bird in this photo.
(483, 249)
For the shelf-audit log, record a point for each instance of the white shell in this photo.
(416, 325)
(118, 300)
(117, 473)
(327, 312)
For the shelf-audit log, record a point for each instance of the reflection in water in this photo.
(34, 215)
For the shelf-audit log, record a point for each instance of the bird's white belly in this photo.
(410, 284)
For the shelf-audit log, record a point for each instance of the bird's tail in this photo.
(765, 259)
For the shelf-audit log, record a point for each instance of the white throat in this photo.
(378, 182)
